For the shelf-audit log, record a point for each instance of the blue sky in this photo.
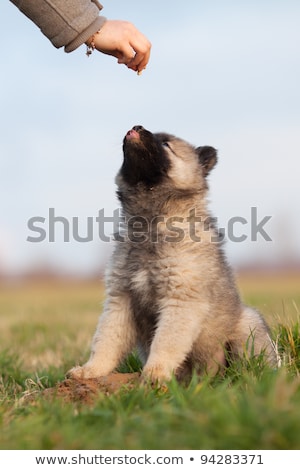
(223, 73)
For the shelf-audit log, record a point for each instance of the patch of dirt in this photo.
(84, 390)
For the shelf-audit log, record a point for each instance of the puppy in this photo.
(170, 291)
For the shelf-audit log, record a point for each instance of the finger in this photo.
(141, 47)
(125, 55)
(142, 56)
(125, 58)
(139, 62)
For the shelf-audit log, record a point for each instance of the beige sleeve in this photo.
(67, 23)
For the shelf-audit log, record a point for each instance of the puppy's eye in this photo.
(166, 144)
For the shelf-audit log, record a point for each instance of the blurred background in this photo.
(222, 73)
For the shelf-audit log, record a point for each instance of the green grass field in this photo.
(46, 328)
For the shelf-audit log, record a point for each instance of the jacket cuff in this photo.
(86, 34)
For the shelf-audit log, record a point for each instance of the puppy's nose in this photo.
(137, 128)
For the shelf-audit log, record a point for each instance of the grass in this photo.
(47, 328)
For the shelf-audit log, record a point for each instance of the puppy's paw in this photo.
(155, 376)
(75, 373)
(154, 384)
(82, 372)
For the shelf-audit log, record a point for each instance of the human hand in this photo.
(124, 41)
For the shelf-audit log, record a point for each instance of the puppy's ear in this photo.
(207, 158)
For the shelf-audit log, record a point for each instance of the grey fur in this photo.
(171, 296)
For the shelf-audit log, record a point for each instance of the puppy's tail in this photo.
(253, 337)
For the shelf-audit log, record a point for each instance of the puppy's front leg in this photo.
(177, 330)
(115, 337)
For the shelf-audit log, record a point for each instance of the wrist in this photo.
(84, 37)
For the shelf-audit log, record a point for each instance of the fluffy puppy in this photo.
(170, 291)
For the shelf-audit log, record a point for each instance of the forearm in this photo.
(64, 22)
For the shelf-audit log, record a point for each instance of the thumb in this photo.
(124, 57)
